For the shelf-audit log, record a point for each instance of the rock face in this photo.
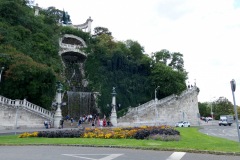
(166, 111)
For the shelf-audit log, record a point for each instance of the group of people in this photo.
(95, 120)
(47, 124)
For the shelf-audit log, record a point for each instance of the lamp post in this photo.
(1, 73)
(233, 87)
(212, 109)
(113, 112)
(156, 93)
(58, 113)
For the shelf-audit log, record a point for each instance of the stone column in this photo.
(113, 113)
(58, 113)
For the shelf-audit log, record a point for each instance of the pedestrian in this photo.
(93, 124)
(71, 121)
(61, 123)
(79, 122)
(46, 124)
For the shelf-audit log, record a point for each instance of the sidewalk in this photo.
(66, 126)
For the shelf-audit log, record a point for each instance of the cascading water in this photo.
(80, 103)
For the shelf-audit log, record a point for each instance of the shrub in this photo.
(164, 137)
(26, 134)
(62, 133)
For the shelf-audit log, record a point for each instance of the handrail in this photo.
(27, 105)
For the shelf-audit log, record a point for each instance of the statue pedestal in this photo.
(114, 118)
(58, 113)
(57, 118)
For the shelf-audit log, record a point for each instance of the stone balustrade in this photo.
(26, 105)
(64, 45)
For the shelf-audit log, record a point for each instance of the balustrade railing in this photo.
(27, 105)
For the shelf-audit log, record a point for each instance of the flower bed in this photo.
(164, 133)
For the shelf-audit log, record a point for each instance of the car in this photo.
(182, 124)
(209, 118)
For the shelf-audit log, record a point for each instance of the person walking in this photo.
(61, 124)
(71, 121)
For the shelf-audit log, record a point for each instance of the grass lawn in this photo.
(191, 141)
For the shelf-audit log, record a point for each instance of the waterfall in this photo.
(80, 103)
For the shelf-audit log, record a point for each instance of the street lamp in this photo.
(1, 73)
(156, 93)
(212, 108)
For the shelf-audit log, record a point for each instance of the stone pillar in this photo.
(58, 113)
(36, 13)
(113, 113)
(89, 21)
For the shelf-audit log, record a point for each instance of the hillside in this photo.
(29, 53)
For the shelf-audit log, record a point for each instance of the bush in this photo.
(62, 133)
(164, 133)
(164, 137)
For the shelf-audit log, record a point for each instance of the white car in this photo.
(182, 124)
(209, 118)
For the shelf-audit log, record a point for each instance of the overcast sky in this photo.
(206, 32)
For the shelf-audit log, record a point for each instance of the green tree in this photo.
(204, 109)
(25, 78)
(222, 106)
(101, 30)
(169, 80)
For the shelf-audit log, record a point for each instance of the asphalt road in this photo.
(213, 129)
(98, 153)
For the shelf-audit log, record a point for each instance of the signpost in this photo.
(233, 87)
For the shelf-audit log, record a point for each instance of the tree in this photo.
(162, 56)
(204, 109)
(25, 78)
(101, 30)
(174, 60)
(222, 106)
(177, 61)
(170, 81)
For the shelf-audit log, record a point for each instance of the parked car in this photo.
(209, 118)
(182, 124)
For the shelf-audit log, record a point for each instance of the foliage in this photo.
(38, 80)
(204, 109)
(26, 135)
(191, 141)
(149, 132)
(101, 30)
(164, 137)
(110, 63)
(170, 81)
(61, 133)
(222, 106)
(108, 133)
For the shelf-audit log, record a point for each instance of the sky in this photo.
(206, 32)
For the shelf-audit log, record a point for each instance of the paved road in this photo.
(213, 129)
(98, 153)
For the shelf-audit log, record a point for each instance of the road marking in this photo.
(88, 156)
(176, 156)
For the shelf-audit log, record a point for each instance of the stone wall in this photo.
(166, 111)
(22, 114)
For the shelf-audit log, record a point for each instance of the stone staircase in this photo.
(67, 124)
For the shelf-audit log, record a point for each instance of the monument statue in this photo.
(66, 18)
